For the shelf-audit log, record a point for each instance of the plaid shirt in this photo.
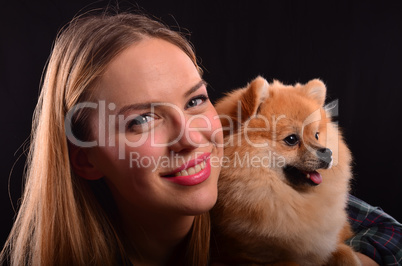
(378, 235)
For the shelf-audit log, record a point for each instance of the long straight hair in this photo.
(60, 219)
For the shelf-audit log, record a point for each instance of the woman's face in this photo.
(158, 136)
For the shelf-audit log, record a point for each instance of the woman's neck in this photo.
(152, 236)
(155, 241)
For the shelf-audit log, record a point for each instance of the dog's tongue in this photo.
(315, 177)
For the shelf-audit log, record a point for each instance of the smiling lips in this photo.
(193, 172)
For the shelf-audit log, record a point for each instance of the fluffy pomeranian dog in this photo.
(285, 179)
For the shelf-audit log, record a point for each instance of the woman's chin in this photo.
(202, 202)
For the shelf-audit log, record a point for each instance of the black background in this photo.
(353, 46)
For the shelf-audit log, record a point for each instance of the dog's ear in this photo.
(316, 90)
(256, 93)
(241, 104)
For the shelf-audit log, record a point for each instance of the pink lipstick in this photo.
(191, 173)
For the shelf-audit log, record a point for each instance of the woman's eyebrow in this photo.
(195, 87)
(135, 106)
(148, 105)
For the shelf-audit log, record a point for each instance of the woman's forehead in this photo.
(151, 69)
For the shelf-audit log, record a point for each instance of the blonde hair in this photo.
(60, 220)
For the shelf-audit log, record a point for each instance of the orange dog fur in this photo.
(282, 196)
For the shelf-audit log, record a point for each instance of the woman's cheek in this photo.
(146, 154)
(216, 133)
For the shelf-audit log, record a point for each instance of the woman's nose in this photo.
(189, 134)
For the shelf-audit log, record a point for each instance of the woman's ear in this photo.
(81, 165)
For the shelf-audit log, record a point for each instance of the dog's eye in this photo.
(317, 135)
(292, 140)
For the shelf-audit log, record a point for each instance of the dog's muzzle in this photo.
(325, 156)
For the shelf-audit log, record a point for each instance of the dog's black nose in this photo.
(325, 155)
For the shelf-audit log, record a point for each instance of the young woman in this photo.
(110, 82)
(124, 158)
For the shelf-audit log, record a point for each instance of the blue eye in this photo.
(196, 101)
(140, 120)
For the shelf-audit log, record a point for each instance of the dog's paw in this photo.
(344, 256)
